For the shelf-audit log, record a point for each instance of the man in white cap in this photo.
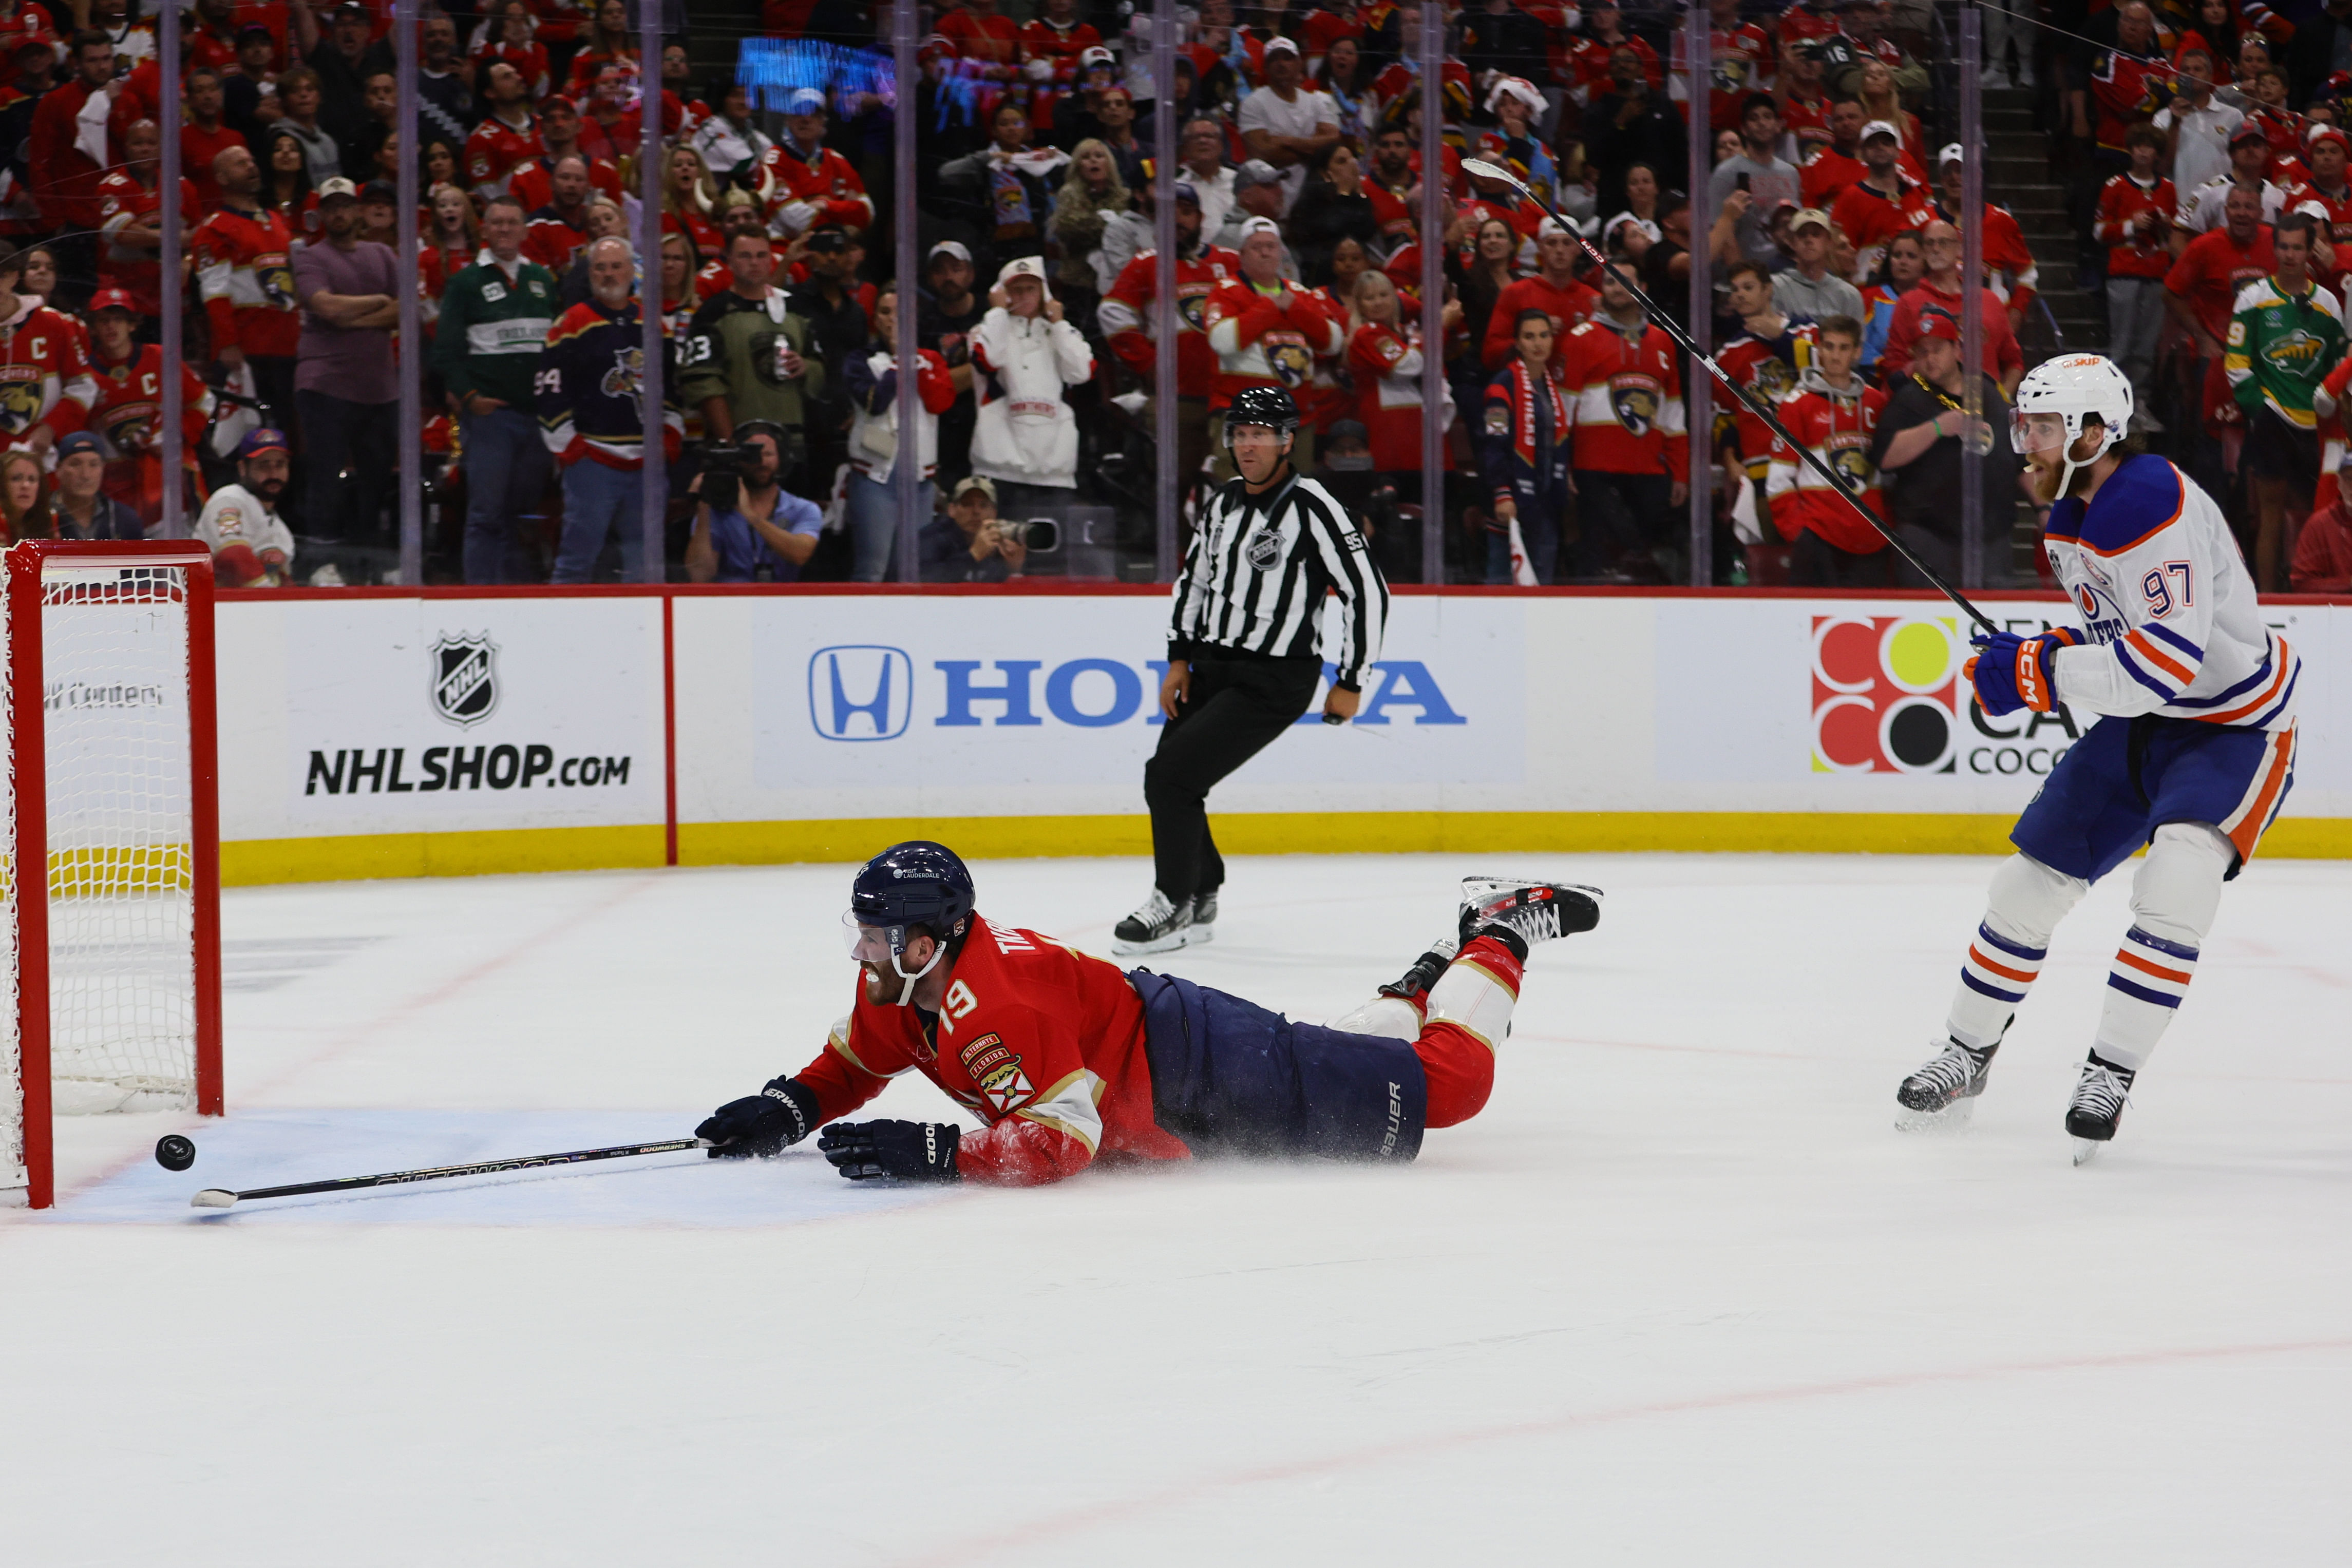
(1283, 125)
(807, 184)
(1809, 287)
(1025, 434)
(1884, 203)
(1266, 333)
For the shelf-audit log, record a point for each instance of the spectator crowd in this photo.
(2209, 194)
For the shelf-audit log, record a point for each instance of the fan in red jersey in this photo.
(126, 405)
(1065, 1060)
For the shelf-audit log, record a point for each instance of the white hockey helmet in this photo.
(2073, 387)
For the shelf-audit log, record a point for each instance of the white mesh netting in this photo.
(120, 883)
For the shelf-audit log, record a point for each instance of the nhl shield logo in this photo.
(465, 679)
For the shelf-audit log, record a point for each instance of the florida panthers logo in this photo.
(996, 1070)
(1193, 307)
(276, 276)
(1636, 404)
(1289, 358)
(1852, 465)
(1774, 377)
(1730, 73)
(628, 377)
(20, 398)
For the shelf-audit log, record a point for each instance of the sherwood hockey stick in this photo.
(219, 1197)
(1480, 169)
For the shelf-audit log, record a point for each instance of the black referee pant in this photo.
(1240, 704)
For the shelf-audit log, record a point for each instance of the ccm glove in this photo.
(894, 1151)
(763, 1124)
(2011, 671)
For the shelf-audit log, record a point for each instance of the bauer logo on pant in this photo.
(465, 679)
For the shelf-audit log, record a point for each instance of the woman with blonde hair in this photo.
(1090, 196)
(453, 237)
(688, 197)
(25, 497)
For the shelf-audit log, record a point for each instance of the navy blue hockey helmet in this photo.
(916, 882)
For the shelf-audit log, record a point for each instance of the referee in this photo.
(1245, 649)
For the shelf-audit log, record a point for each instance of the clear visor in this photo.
(866, 944)
(2032, 433)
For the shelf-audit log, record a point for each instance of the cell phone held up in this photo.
(1744, 181)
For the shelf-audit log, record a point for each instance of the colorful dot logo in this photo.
(1886, 693)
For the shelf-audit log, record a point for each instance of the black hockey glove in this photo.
(895, 1151)
(763, 1124)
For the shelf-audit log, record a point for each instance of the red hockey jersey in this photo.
(1130, 323)
(1566, 305)
(1259, 343)
(43, 378)
(826, 182)
(122, 202)
(1836, 427)
(495, 150)
(1770, 369)
(2134, 251)
(532, 182)
(1628, 399)
(127, 409)
(1042, 1042)
(245, 275)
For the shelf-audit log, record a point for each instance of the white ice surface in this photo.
(1680, 1295)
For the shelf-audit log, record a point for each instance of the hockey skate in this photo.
(1535, 912)
(1412, 985)
(1205, 918)
(2100, 1095)
(1941, 1096)
(1158, 926)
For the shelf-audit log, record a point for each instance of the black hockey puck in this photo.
(174, 1152)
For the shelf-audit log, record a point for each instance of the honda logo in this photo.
(861, 692)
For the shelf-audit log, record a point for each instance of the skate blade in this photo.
(1199, 935)
(1168, 943)
(2086, 1149)
(1953, 1118)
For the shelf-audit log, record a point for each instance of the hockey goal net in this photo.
(110, 954)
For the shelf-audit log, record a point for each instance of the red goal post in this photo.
(109, 958)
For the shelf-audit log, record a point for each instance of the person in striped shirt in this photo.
(1248, 639)
(2191, 755)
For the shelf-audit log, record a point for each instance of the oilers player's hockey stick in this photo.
(219, 1197)
(1481, 169)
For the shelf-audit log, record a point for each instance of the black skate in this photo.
(1534, 912)
(1414, 983)
(2100, 1095)
(1158, 926)
(1205, 918)
(1941, 1096)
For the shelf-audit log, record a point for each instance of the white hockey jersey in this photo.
(2167, 606)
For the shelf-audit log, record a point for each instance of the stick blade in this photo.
(1483, 170)
(212, 1197)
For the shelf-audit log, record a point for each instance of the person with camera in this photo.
(746, 356)
(1247, 644)
(494, 318)
(746, 527)
(971, 543)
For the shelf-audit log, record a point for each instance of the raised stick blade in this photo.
(212, 1197)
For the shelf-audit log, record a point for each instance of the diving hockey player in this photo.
(1066, 1060)
(2193, 754)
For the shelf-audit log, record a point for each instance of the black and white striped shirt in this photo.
(1257, 572)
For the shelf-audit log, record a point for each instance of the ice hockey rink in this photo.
(1680, 1295)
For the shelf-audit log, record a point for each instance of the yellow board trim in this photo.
(250, 863)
